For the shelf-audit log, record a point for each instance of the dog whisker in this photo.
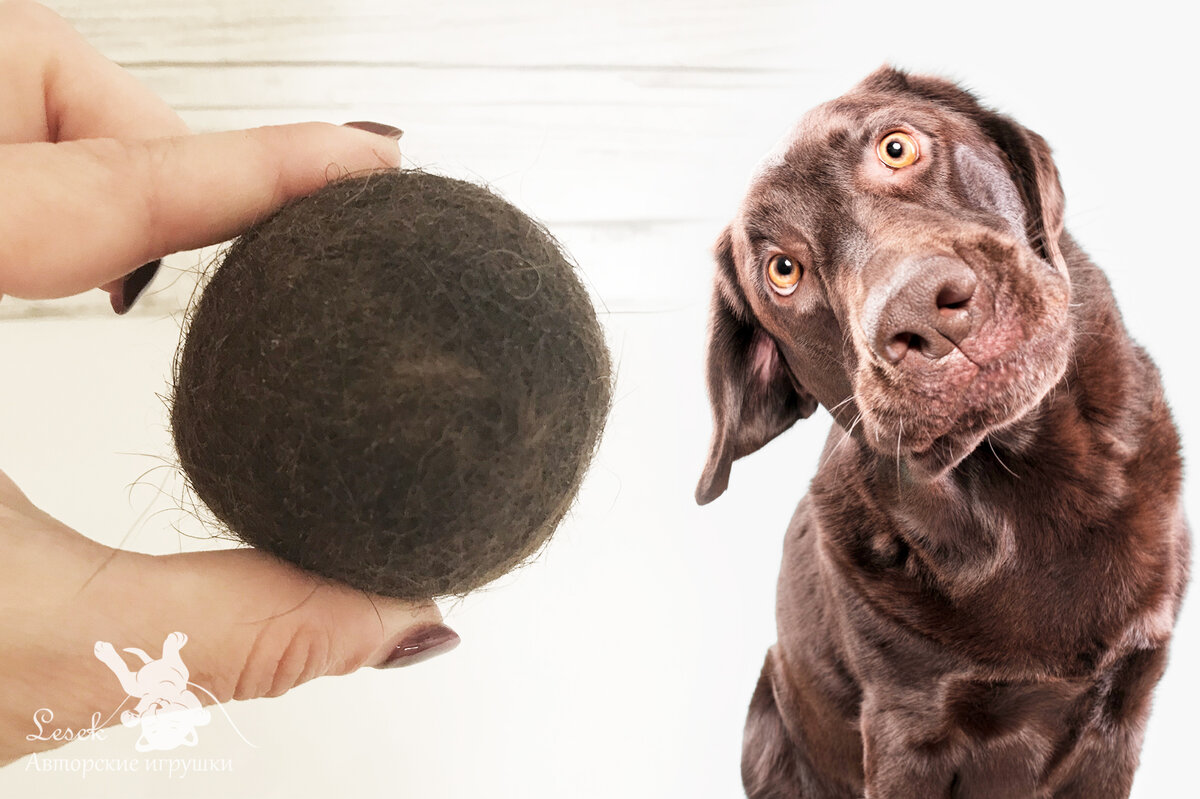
(988, 439)
(848, 434)
(840, 404)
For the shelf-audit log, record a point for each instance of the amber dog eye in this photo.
(784, 274)
(898, 150)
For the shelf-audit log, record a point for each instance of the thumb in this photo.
(249, 625)
(257, 626)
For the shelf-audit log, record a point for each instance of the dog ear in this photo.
(753, 394)
(1036, 177)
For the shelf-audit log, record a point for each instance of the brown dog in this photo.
(978, 592)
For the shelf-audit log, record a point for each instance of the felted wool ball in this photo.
(397, 382)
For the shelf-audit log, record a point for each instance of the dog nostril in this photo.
(954, 296)
(899, 345)
(927, 305)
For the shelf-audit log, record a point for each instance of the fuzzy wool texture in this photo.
(398, 382)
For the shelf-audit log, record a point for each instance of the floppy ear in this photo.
(1036, 177)
(753, 394)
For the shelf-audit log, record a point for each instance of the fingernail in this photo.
(378, 128)
(422, 644)
(132, 286)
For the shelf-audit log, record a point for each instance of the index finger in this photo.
(79, 214)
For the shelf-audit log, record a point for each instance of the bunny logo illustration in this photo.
(167, 710)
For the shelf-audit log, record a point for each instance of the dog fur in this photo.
(978, 592)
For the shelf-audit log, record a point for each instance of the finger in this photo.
(124, 291)
(12, 496)
(251, 626)
(259, 627)
(79, 214)
(59, 88)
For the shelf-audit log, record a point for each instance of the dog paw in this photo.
(105, 651)
(175, 641)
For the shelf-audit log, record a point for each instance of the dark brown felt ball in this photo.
(397, 382)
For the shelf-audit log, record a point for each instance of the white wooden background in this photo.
(604, 121)
(619, 664)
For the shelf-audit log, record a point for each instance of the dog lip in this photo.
(980, 398)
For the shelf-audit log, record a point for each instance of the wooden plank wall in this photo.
(623, 127)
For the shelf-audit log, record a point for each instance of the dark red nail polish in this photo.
(133, 285)
(422, 644)
(378, 128)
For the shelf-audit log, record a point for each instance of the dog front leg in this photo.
(1106, 766)
(905, 756)
(1106, 756)
(776, 764)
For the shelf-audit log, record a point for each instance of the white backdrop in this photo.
(620, 663)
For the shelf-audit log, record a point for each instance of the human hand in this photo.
(101, 177)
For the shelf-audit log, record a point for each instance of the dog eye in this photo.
(898, 150)
(784, 274)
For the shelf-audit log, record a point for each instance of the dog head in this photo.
(896, 259)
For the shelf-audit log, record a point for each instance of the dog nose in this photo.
(926, 307)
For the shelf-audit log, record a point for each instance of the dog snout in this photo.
(928, 307)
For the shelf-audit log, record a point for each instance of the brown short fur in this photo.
(977, 594)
